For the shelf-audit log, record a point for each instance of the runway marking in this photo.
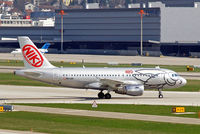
(115, 115)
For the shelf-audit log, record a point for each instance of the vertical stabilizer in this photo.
(33, 58)
(46, 45)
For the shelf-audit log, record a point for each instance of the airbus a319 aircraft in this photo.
(129, 81)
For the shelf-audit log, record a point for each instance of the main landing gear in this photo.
(107, 96)
(160, 93)
(102, 96)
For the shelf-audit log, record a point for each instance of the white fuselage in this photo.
(151, 78)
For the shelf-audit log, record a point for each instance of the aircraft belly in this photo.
(74, 83)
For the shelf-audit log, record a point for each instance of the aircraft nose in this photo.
(184, 81)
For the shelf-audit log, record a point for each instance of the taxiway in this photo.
(33, 94)
(112, 59)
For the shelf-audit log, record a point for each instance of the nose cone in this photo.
(184, 81)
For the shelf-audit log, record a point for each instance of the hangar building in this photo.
(169, 28)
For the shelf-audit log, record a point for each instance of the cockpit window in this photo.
(175, 75)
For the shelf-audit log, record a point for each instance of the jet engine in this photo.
(133, 90)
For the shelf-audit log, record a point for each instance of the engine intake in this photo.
(133, 90)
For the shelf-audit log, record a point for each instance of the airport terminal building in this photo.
(169, 28)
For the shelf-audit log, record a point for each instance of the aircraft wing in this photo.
(134, 88)
(113, 84)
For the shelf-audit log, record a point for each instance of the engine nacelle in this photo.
(133, 90)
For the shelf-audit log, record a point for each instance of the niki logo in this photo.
(128, 71)
(32, 55)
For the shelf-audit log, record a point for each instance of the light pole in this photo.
(61, 45)
(141, 37)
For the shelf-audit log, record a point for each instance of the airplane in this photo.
(196, 66)
(129, 81)
(43, 50)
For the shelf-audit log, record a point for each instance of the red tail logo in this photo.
(32, 55)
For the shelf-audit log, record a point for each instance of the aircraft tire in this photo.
(160, 96)
(101, 95)
(107, 96)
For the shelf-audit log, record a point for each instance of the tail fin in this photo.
(33, 58)
(46, 46)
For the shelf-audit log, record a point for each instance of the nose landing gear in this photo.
(160, 93)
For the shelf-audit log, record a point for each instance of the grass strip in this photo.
(65, 124)
(11, 79)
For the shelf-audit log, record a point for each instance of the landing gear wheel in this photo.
(101, 95)
(160, 96)
(107, 96)
(160, 93)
